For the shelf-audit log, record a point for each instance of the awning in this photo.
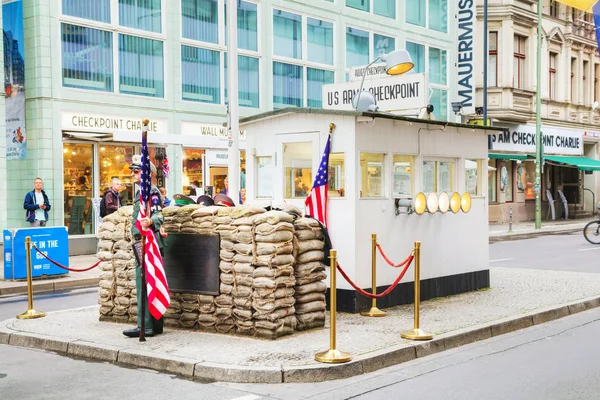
(502, 156)
(582, 163)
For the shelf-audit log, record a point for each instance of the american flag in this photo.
(166, 168)
(156, 280)
(317, 198)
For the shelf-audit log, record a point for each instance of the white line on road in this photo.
(588, 249)
(502, 259)
(249, 397)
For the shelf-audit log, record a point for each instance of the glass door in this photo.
(78, 162)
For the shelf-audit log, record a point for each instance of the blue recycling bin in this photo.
(52, 241)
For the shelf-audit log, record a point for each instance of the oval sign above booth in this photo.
(465, 202)
(455, 202)
(432, 202)
(444, 203)
(420, 203)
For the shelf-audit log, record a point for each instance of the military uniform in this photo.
(157, 221)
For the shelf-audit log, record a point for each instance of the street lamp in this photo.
(397, 62)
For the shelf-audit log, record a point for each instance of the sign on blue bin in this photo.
(53, 242)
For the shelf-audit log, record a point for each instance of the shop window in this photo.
(526, 177)
(140, 14)
(87, 58)
(506, 180)
(297, 164)
(472, 172)
(372, 174)
(78, 180)
(264, 177)
(438, 176)
(336, 175)
(192, 171)
(403, 175)
(141, 66)
(492, 167)
(201, 75)
(96, 10)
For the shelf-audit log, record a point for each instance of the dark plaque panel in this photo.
(192, 263)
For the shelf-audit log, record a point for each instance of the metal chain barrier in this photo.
(389, 261)
(387, 291)
(62, 266)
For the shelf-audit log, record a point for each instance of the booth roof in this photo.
(307, 110)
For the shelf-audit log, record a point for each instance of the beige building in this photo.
(570, 91)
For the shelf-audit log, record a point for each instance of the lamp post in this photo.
(538, 124)
(397, 62)
(233, 131)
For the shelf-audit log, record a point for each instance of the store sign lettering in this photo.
(465, 47)
(523, 139)
(119, 124)
(218, 131)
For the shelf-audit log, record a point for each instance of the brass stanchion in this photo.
(374, 311)
(332, 355)
(417, 333)
(30, 313)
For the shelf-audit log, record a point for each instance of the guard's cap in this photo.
(205, 201)
(224, 200)
(182, 200)
(136, 164)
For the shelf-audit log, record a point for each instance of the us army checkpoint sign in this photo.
(404, 94)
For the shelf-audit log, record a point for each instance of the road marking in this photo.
(502, 259)
(248, 397)
(588, 249)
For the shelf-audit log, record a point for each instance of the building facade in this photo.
(95, 68)
(570, 90)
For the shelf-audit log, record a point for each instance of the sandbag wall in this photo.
(271, 272)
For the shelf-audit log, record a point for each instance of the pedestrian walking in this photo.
(37, 204)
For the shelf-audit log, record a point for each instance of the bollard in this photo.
(510, 219)
(417, 333)
(30, 313)
(374, 311)
(332, 355)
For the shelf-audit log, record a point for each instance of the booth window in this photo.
(264, 177)
(372, 173)
(297, 164)
(336, 175)
(403, 175)
(492, 166)
(472, 177)
(192, 171)
(438, 176)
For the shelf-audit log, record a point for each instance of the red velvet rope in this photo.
(62, 266)
(387, 291)
(389, 261)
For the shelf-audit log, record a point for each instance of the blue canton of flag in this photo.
(146, 177)
(317, 198)
(596, 12)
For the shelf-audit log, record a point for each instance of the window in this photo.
(519, 62)
(372, 173)
(264, 177)
(96, 10)
(553, 9)
(417, 54)
(382, 45)
(386, 8)
(506, 180)
(585, 86)
(141, 66)
(437, 10)
(191, 177)
(596, 80)
(403, 169)
(336, 175)
(552, 76)
(140, 14)
(113, 162)
(472, 176)
(573, 90)
(438, 82)
(526, 172)
(438, 176)
(297, 79)
(200, 75)
(87, 58)
(492, 180)
(357, 47)
(247, 15)
(493, 59)
(200, 20)
(297, 164)
(78, 181)
(248, 81)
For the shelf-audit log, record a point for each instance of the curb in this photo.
(202, 371)
(502, 237)
(48, 287)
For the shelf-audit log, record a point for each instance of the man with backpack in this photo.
(111, 201)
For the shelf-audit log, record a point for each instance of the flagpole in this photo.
(538, 123)
(233, 137)
(142, 306)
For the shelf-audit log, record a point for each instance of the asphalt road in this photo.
(560, 253)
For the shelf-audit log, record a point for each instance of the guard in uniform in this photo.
(155, 221)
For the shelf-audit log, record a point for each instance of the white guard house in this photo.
(376, 158)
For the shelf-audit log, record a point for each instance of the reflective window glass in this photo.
(439, 100)
(315, 79)
(97, 10)
(492, 180)
(417, 55)
(248, 81)
(287, 85)
(141, 66)
(191, 177)
(336, 175)
(320, 41)
(372, 174)
(387, 8)
(382, 45)
(472, 177)
(200, 20)
(264, 177)
(357, 47)
(247, 25)
(78, 161)
(297, 165)
(287, 34)
(402, 175)
(438, 15)
(141, 14)
(363, 5)
(200, 75)
(415, 12)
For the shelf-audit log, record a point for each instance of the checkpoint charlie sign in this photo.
(392, 93)
(521, 138)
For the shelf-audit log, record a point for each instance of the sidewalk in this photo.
(518, 298)
(498, 232)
